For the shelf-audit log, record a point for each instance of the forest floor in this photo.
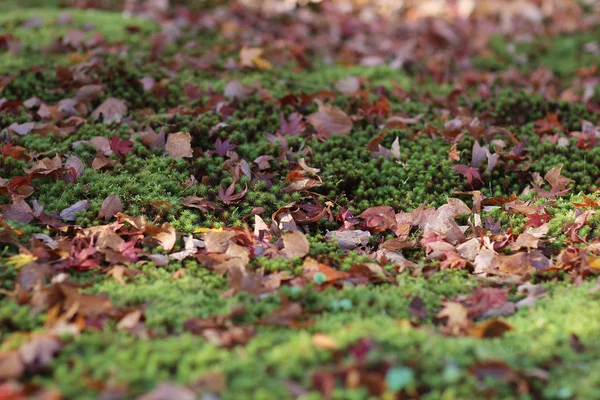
(327, 203)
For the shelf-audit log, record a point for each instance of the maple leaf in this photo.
(120, 147)
(199, 203)
(587, 202)
(548, 125)
(453, 153)
(469, 172)
(119, 272)
(557, 182)
(536, 220)
(251, 57)
(129, 251)
(8, 150)
(228, 197)
(223, 146)
(293, 126)
(457, 317)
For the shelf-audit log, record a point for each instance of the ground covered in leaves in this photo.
(243, 202)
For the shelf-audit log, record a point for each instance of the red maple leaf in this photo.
(469, 172)
(120, 147)
(536, 220)
(548, 125)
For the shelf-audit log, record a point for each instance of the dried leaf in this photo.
(179, 145)
(324, 342)
(330, 120)
(111, 110)
(110, 206)
(295, 244)
(457, 317)
(69, 214)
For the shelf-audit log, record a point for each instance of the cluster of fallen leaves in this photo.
(454, 236)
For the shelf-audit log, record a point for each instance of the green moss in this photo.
(540, 336)
(112, 26)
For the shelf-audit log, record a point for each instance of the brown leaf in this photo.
(330, 120)
(119, 272)
(199, 203)
(112, 110)
(102, 145)
(453, 153)
(312, 266)
(521, 264)
(557, 182)
(525, 240)
(179, 145)
(286, 315)
(301, 184)
(295, 244)
(492, 328)
(164, 234)
(45, 166)
(110, 206)
(218, 241)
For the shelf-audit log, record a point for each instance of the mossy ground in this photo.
(538, 347)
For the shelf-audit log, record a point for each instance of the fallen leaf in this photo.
(324, 342)
(69, 214)
(110, 206)
(456, 315)
(170, 391)
(19, 260)
(295, 244)
(349, 240)
(251, 57)
(493, 328)
(330, 120)
(236, 90)
(111, 110)
(179, 145)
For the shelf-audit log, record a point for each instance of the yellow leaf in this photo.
(594, 262)
(19, 260)
(206, 230)
(261, 63)
(323, 341)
